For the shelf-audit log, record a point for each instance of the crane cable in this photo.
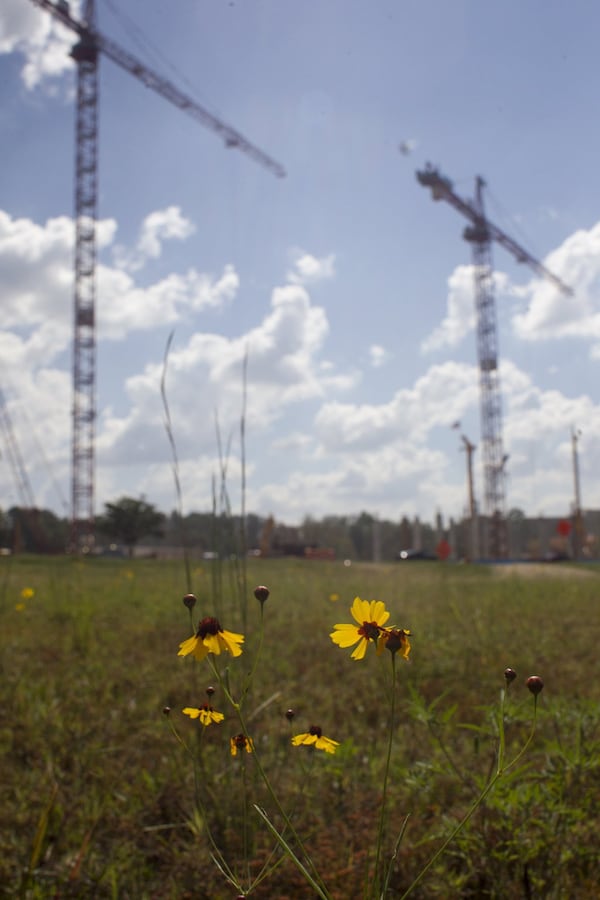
(154, 54)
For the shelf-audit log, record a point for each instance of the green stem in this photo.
(316, 879)
(380, 829)
(500, 771)
(245, 819)
(501, 733)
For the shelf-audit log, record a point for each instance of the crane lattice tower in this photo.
(480, 233)
(86, 53)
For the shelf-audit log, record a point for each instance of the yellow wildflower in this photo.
(240, 742)
(206, 714)
(315, 737)
(371, 616)
(211, 638)
(394, 640)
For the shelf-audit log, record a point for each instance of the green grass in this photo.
(98, 797)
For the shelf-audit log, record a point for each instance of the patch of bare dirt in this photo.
(542, 570)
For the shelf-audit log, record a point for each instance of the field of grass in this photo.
(100, 799)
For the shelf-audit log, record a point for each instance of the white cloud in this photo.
(460, 315)
(158, 226)
(392, 481)
(378, 355)
(308, 269)
(392, 457)
(460, 308)
(128, 307)
(205, 379)
(552, 314)
(37, 270)
(44, 42)
(438, 398)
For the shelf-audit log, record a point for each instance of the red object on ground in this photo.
(564, 528)
(443, 549)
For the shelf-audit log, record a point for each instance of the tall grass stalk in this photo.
(175, 462)
(382, 814)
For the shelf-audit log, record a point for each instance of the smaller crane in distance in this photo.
(91, 43)
(480, 234)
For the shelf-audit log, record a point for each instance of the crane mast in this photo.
(86, 53)
(480, 233)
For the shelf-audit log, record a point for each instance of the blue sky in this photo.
(348, 288)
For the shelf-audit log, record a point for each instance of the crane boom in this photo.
(91, 43)
(161, 85)
(443, 189)
(480, 234)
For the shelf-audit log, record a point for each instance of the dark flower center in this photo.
(240, 741)
(209, 625)
(314, 729)
(369, 630)
(396, 639)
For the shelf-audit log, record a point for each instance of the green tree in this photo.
(128, 520)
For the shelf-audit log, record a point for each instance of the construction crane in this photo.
(15, 457)
(86, 51)
(480, 234)
(28, 514)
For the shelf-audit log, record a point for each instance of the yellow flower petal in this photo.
(360, 610)
(213, 644)
(360, 650)
(320, 742)
(208, 716)
(345, 635)
(191, 712)
(230, 642)
(327, 744)
(188, 646)
(378, 612)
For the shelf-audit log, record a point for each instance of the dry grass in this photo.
(98, 799)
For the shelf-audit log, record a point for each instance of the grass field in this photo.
(99, 798)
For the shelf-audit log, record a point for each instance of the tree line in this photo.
(130, 521)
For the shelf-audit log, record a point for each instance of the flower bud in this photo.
(210, 690)
(509, 675)
(261, 593)
(289, 714)
(166, 710)
(189, 601)
(535, 684)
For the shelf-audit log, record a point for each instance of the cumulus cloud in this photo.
(309, 269)
(460, 318)
(552, 314)
(42, 40)
(37, 266)
(545, 312)
(378, 355)
(157, 227)
(204, 378)
(128, 307)
(438, 398)
(393, 481)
